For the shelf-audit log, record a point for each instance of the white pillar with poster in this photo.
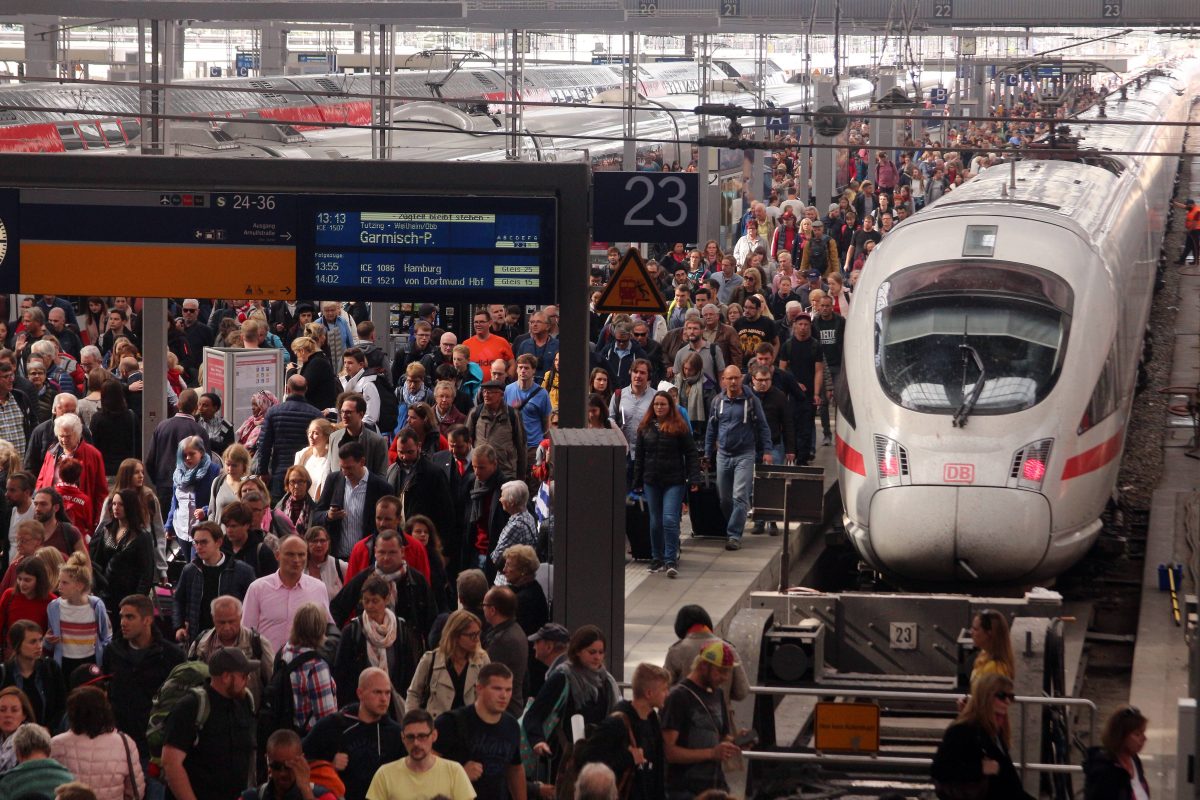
(236, 374)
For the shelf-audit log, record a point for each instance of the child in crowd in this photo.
(78, 626)
(28, 599)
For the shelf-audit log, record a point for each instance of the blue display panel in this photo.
(416, 247)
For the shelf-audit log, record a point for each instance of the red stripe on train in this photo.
(850, 458)
(1093, 459)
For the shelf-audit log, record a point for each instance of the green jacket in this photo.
(39, 777)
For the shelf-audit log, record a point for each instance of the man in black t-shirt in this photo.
(485, 739)
(214, 761)
(801, 356)
(859, 243)
(830, 330)
(754, 329)
(697, 736)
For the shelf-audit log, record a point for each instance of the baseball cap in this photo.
(665, 386)
(1190, 202)
(550, 632)
(229, 659)
(813, 273)
(787, 212)
(720, 654)
(87, 675)
(834, 206)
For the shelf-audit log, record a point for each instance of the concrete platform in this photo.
(1160, 659)
(710, 576)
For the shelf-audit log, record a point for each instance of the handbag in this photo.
(129, 791)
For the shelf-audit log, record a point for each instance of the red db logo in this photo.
(958, 473)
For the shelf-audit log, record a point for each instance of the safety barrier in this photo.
(1023, 702)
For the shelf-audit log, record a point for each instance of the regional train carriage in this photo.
(992, 353)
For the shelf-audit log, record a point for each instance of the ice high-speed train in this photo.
(992, 353)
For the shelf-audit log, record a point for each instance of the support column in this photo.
(629, 159)
(884, 130)
(824, 162)
(154, 367)
(589, 541)
(709, 205)
(42, 38)
(512, 94)
(273, 50)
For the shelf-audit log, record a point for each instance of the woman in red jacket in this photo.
(28, 599)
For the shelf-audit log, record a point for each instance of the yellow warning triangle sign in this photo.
(631, 289)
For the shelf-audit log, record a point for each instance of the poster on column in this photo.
(237, 374)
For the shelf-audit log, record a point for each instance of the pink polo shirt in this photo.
(270, 606)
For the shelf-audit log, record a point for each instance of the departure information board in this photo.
(277, 245)
(411, 247)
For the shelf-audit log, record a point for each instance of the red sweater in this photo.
(414, 555)
(15, 606)
(93, 483)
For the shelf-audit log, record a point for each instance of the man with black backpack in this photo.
(208, 751)
(485, 739)
(139, 661)
(360, 738)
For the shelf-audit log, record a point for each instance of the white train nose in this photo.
(944, 533)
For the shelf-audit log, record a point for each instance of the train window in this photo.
(70, 137)
(980, 240)
(1104, 397)
(91, 135)
(935, 352)
(132, 128)
(112, 133)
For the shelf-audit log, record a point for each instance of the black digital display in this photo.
(412, 247)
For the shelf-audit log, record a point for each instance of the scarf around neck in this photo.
(380, 637)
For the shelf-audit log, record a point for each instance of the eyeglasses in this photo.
(190, 310)
(1006, 697)
(417, 737)
(473, 635)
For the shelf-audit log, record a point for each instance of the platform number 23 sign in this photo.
(1110, 10)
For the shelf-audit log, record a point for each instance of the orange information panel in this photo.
(848, 727)
(631, 289)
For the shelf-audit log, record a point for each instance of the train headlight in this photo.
(892, 461)
(1029, 465)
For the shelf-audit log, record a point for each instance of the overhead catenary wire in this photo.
(746, 144)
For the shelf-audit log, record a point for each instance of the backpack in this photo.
(184, 679)
(278, 699)
(389, 401)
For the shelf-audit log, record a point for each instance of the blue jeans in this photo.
(735, 484)
(155, 789)
(665, 504)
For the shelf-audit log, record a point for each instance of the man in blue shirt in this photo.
(531, 400)
(737, 436)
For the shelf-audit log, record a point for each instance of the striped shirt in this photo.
(12, 424)
(79, 629)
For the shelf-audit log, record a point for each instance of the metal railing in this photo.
(1024, 702)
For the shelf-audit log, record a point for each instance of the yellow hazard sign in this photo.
(848, 727)
(631, 289)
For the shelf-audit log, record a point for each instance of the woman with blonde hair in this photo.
(87, 627)
(972, 759)
(446, 676)
(10, 460)
(52, 559)
(315, 457)
(314, 365)
(229, 480)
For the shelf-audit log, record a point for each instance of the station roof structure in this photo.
(642, 16)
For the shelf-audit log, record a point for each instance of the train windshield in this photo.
(944, 349)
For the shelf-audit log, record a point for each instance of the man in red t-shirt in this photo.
(486, 347)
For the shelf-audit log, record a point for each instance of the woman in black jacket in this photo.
(665, 463)
(323, 383)
(1112, 771)
(116, 431)
(123, 552)
(973, 759)
(375, 638)
(37, 675)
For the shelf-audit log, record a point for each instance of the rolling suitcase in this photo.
(704, 510)
(637, 527)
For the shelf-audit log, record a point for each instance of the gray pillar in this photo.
(803, 169)
(824, 178)
(629, 159)
(273, 50)
(154, 369)
(884, 129)
(707, 204)
(589, 535)
(42, 40)
(381, 317)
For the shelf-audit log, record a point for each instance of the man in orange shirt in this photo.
(486, 346)
(1192, 223)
